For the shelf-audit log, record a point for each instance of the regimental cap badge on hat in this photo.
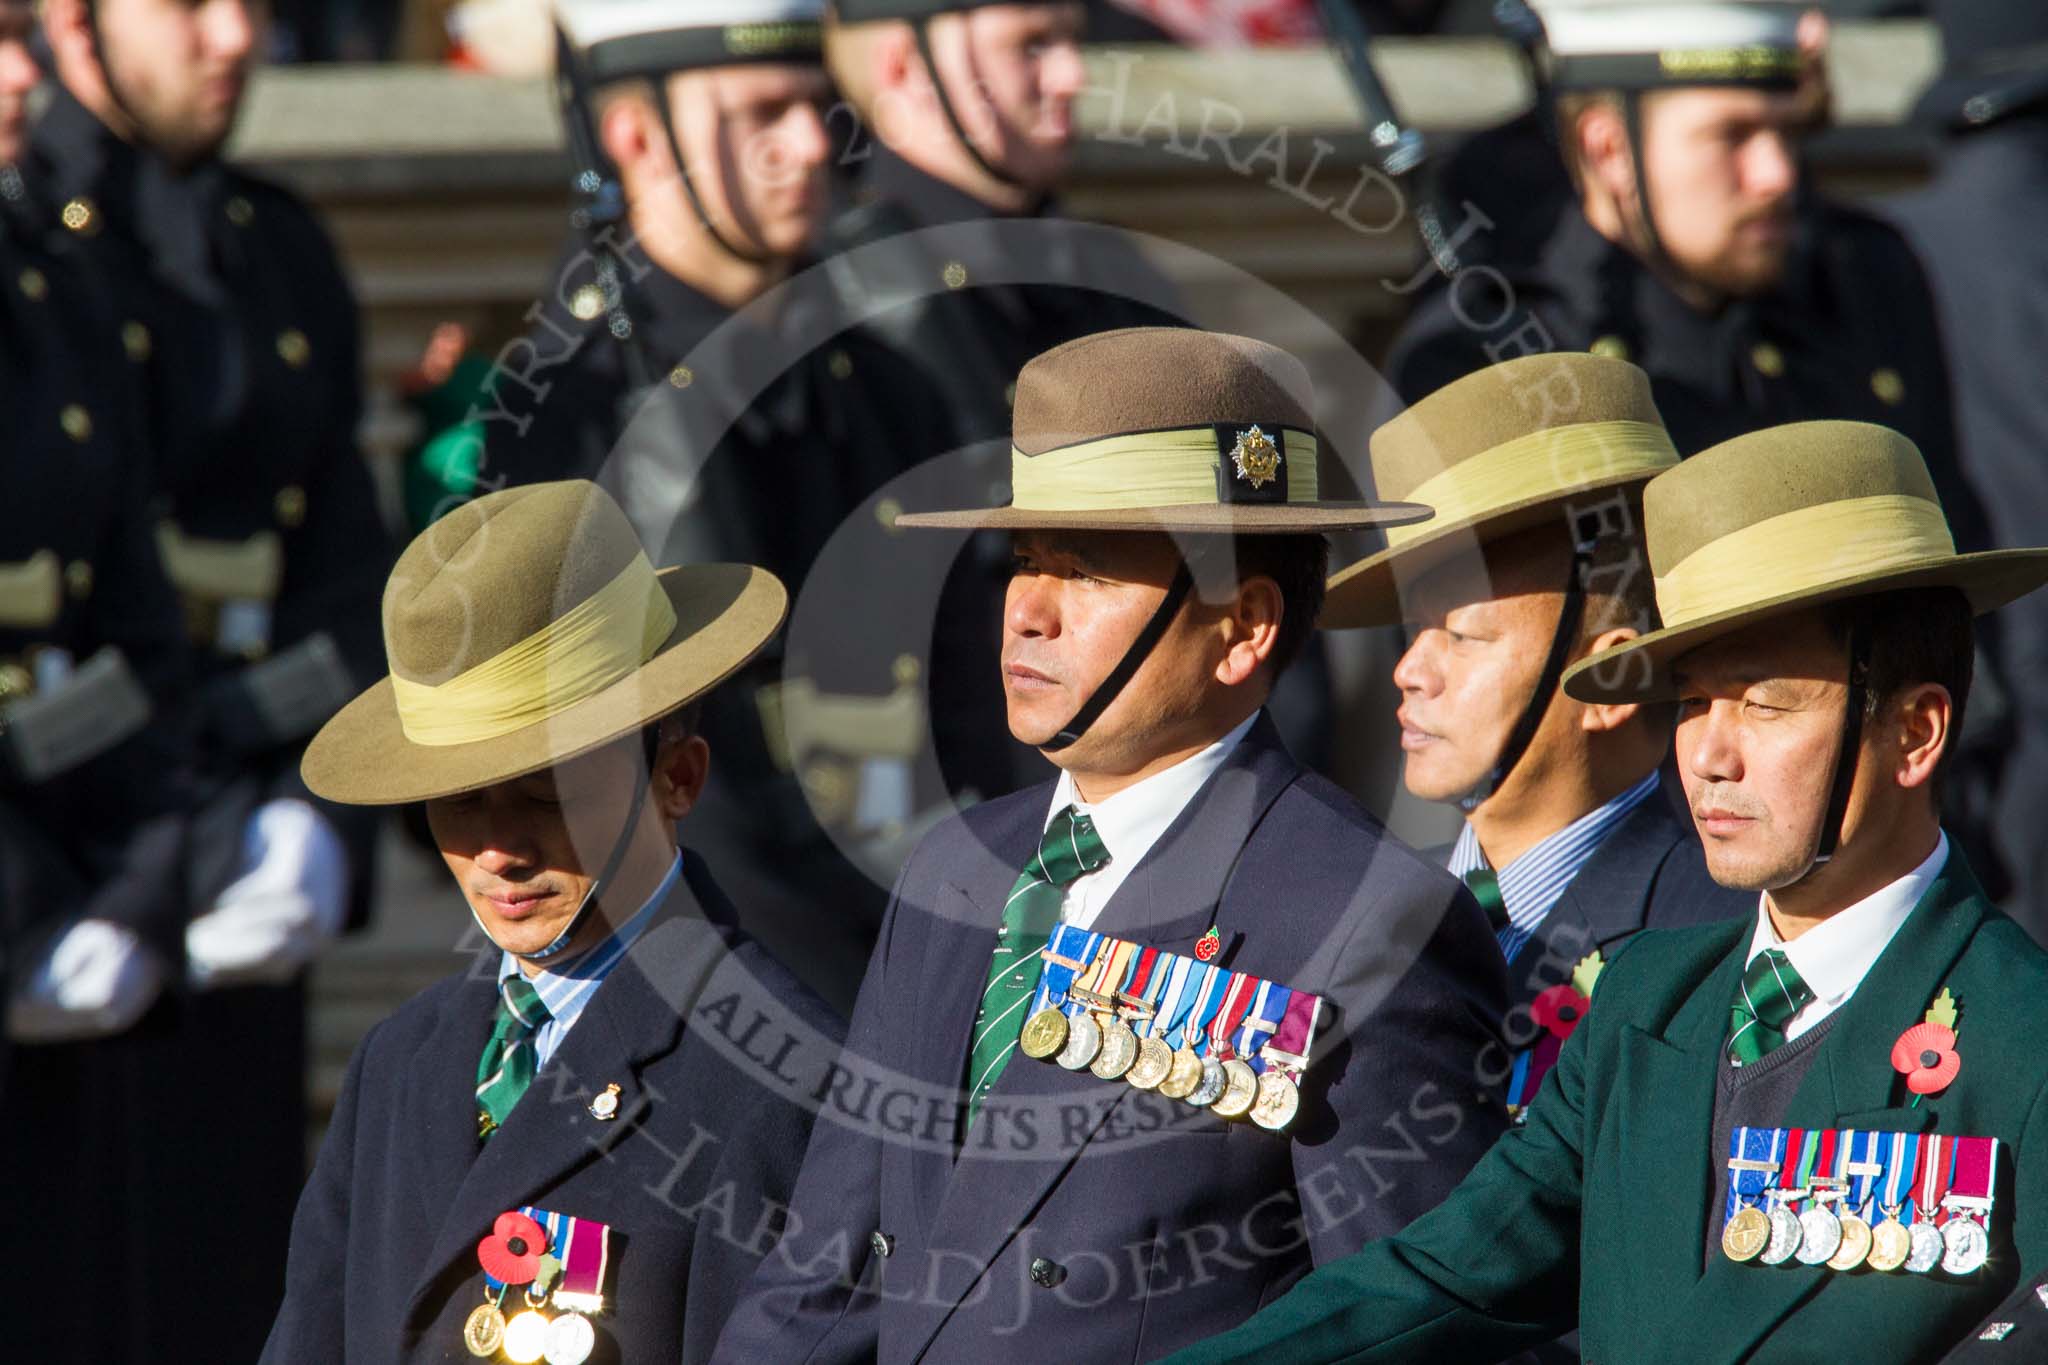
(621, 39)
(1502, 450)
(524, 629)
(1648, 44)
(1788, 518)
(1166, 429)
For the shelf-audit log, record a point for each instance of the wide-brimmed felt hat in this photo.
(1500, 451)
(526, 628)
(1166, 429)
(1783, 519)
(1660, 44)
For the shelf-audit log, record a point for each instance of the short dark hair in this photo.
(1299, 564)
(1914, 636)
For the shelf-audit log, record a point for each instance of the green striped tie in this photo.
(1486, 890)
(1772, 992)
(509, 1059)
(1070, 848)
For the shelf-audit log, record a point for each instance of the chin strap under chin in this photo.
(675, 149)
(1852, 744)
(1128, 666)
(931, 66)
(604, 878)
(1562, 641)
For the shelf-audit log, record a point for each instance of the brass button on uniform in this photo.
(35, 286)
(881, 1243)
(1887, 384)
(80, 215)
(240, 211)
(291, 506)
(77, 423)
(587, 302)
(293, 347)
(1046, 1274)
(15, 682)
(135, 341)
(1613, 347)
(1768, 359)
(682, 376)
(954, 274)
(886, 512)
(78, 578)
(840, 364)
(905, 669)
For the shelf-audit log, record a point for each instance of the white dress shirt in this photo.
(1130, 822)
(1835, 955)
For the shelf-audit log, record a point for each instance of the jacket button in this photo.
(1045, 1274)
(881, 1243)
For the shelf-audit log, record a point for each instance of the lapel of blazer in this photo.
(1169, 900)
(1851, 1084)
(1666, 1079)
(1607, 899)
(440, 1083)
(636, 1016)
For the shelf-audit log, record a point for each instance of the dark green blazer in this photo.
(1601, 1200)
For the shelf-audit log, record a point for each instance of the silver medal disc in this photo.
(1965, 1246)
(1927, 1248)
(1820, 1235)
(1210, 1088)
(1785, 1235)
(1084, 1040)
(571, 1339)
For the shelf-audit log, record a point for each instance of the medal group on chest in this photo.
(557, 1265)
(1850, 1199)
(1183, 1026)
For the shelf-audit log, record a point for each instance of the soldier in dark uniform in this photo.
(1696, 251)
(94, 778)
(682, 358)
(1978, 228)
(236, 319)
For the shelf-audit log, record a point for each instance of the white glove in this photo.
(94, 979)
(288, 899)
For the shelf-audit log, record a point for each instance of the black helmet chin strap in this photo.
(1632, 121)
(1562, 641)
(1851, 748)
(675, 148)
(641, 782)
(1128, 666)
(924, 49)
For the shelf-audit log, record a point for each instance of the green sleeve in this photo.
(1490, 1271)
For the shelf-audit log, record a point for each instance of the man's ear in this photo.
(894, 61)
(1607, 717)
(68, 26)
(1604, 151)
(1924, 715)
(1251, 629)
(625, 130)
(681, 768)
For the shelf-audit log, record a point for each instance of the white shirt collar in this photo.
(1834, 956)
(1131, 821)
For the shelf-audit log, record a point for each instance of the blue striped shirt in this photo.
(566, 987)
(1532, 883)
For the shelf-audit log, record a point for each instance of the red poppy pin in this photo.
(1559, 1010)
(512, 1253)
(1208, 945)
(1926, 1053)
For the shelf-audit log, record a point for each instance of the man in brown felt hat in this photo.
(1533, 561)
(1239, 939)
(541, 702)
(1813, 1131)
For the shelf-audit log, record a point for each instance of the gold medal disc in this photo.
(1278, 1102)
(1890, 1244)
(1183, 1076)
(526, 1338)
(1084, 1039)
(1119, 1051)
(1746, 1234)
(1045, 1033)
(484, 1333)
(1240, 1089)
(1155, 1059)
(1856, 1241)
